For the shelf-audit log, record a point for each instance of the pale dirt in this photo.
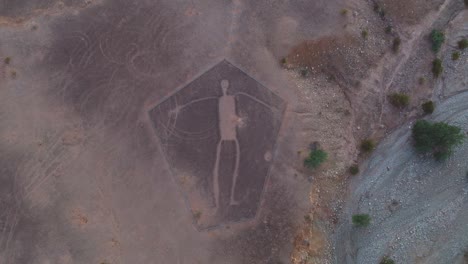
(83, 178)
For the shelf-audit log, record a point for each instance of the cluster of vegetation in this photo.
(361, 220)
(379, 10)
(396, 44)
(365, 33)
(304, 72)
(437, 38)
(315, 158)
(399, 100)
(367, 145)
(388, 29)
(344, 12)
(436, 138)
(354, 169)
(283, 62)
(421, 80)
(387, 260)
(437, 67)
(463, 44)
(455, 55)
(428, 107)
(7, 60)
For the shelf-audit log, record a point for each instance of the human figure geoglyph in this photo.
(228, 121)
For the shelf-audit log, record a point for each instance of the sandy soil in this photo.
(83, 179)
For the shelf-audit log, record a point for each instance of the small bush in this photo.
(399, 99)
(367, 145)
(13, 74)
(344, 12)
(283, 61)
(387, 260)
(197, 215)
(315, 158)
(379, 10)
(365, 33)
(428, 107)
(463, 44)
(361, 220)
(304, 72)
(437, 67)
(396, 44)
(354, 169)
(7, 60)
(421, 80)
(455, 55)
(436, 138)
(388, 29)
(437, 38)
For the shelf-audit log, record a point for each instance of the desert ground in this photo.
(167, 131)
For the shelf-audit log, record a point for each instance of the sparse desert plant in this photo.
(437, 38)
(354, 169)
(421, 80)
(379, 10)
(367, 145)
(304, 72)
(197, 215)
(365, 33)
(315, 158)
(387, 260)
(436, 138)
(34, 27)
(13, 74)
(428, 107)
(7, 60)
(399, 100)
(388, 29)
(283, 62)
(455, 55)
(361, 220)
(437, 67)
(396, 44)
(307, 218)
(344, 12)
(463, 44)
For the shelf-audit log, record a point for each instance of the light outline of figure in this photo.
(173, 131)
(227, 118)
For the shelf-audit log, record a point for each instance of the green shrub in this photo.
(399, 99)
(455, 55)
(379, 10)
(344, 12)
(396, 44)
(7, 60)
(315, 158)
(283, 61)
(304, 72)
(428, 107)
(388, 29)
(463, 44)
(437, 38)
(361, 220)
(354, 169)
(436, 138)
(437, 67)
(367, 145)
(421, 80)
(387, 260)
(365, 33)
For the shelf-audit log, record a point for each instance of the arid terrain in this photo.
(163, 131)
